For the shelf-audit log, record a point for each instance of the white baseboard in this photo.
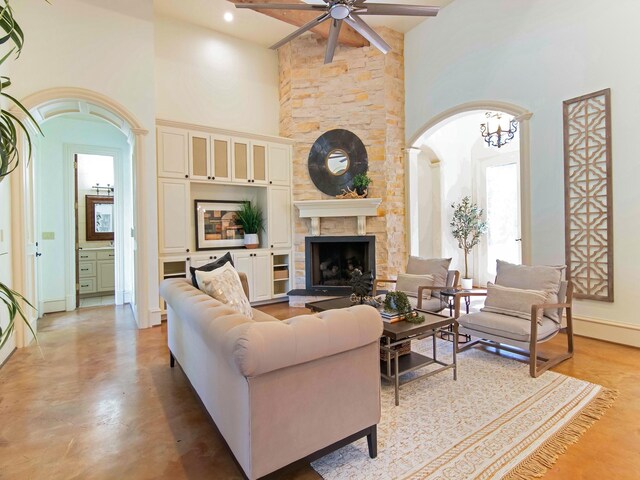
(616, 332)
(51, 306)
(155, 317)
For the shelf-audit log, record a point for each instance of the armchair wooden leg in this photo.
(172, 360)
(372, 441)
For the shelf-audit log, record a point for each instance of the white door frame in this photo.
(523, 116)
(55, 101)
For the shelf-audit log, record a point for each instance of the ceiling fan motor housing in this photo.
(339, 11)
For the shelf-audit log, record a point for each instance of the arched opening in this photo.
(57, 103)
(447, 160)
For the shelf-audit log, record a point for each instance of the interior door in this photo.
(30, 290)
(499, 196)
(76, 241)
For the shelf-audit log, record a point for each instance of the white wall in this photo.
(209, 78)
(76, 44)
(51, 202)
(536, 54)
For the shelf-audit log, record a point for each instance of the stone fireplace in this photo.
(331, 260)
(361, 91)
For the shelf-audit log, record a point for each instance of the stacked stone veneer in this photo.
(361, 91)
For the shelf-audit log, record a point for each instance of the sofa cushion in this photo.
(438, 267)
(409, 283)
(516, 302)
(506, 326)
(210, 267)
(224, 285)
(535, 277)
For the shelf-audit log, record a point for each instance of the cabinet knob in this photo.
(215, 258)
(187, 250)
(208, 178)
(271, 246)
(270, 182)
(186, 176)
(188, 259)
(248, 180)
(213, 178)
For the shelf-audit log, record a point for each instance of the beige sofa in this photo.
(278, 391)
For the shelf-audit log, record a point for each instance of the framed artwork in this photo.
(588, 195)
(216, 225)
(99, 221)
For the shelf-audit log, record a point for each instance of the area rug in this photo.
(494, 422)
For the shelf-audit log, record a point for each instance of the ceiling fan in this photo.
(348, 11)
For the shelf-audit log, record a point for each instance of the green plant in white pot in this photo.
(467, 226)
(250, 218)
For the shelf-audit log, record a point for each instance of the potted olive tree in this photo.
(467, 226)
(250, 218)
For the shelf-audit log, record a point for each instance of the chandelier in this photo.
(496, 131)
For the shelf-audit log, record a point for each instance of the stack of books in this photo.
(393, 317)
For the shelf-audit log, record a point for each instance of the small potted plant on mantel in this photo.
(250, 218)
(361, 183)
(467, 226)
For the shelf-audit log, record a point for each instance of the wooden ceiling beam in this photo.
(348, 36)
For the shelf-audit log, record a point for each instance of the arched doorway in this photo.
(54, 102)
(422, 151)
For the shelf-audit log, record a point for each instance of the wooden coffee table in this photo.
(395, 334)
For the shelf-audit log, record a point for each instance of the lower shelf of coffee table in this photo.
(407, 363)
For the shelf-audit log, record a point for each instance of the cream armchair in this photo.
(444, 279)
(517, 335)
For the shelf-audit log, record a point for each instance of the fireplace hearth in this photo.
(331, 260)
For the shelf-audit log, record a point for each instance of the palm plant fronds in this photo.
(250, 217)
(11, 300)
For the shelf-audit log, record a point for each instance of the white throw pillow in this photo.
(224, 285)
(409, 284)
(515, 302)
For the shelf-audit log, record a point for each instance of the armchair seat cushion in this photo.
(506, 326)
(431, 305)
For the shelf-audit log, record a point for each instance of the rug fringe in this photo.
(537, 464)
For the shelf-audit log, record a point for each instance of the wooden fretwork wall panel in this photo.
(588, 195)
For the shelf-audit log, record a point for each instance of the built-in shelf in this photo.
(361, 208)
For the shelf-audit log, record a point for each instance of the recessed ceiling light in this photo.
(228, 16)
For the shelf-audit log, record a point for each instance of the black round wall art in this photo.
(335, 158)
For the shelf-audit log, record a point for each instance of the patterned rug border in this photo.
(547, 454)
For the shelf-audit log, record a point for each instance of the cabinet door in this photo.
(106, 275)
(261, 281)
(279, 217)
(221, 158)
(259, 163)
(199, 156)
(173, 153)
(241, 161)
(173, 216)
(243, 262)
(279, 164)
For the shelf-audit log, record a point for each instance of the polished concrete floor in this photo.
(103, 404)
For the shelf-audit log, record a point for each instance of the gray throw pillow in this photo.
(438, 267)
(515, 302)
(536, 277)
(409, 284)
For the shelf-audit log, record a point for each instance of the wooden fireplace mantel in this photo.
(352, 207)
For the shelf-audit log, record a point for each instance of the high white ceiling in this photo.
(261, 29)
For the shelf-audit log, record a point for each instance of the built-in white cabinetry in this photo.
(279, 164)
(257, 267)
(173, 152)
(174, 213)
(196, 163)
(279, 217)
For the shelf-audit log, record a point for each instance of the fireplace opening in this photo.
(330, 261)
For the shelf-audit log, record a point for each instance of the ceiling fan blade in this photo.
(332, 41)
(307, 26)
(393, 9)
(280, 6)
(359, 25)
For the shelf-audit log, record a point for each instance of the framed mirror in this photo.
(99, 216)
(338, 162)
(335, 158)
